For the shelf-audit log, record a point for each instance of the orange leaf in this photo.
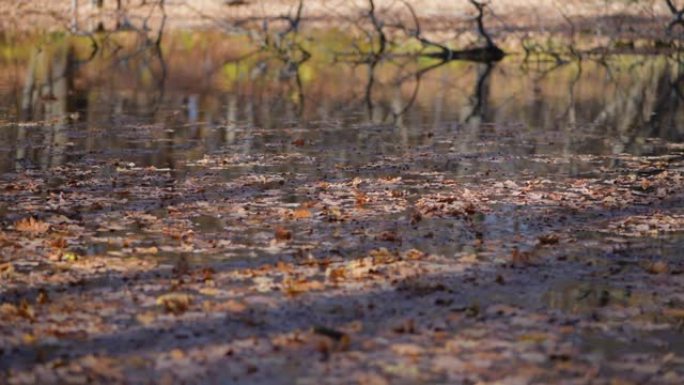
(31, 225)
(301, 214)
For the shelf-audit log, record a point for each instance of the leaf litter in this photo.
(416, 277)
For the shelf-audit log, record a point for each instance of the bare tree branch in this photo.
(677, 14)
(378, 26)
(489, 53)
(480, 22)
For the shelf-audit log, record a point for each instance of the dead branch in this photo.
(677, 14)
(480, 22)
(378, 26)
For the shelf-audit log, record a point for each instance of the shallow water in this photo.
(61, 101)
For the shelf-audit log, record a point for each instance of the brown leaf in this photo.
(341, 339)
(382, 256)
(388, 236)
(294, 287)
(405, 349)
(42, 298)
(31, 225)
(6, 270)
(282, 234)
(284, 267)
(146, 250)
(548, 239)
(361, 199)
(520, 257)
(416, 217)
(414, 254)
(25, 310)
(336, 275)
(658, 267)
(175, 303)
(59, 243)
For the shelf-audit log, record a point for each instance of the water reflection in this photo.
(63, 99)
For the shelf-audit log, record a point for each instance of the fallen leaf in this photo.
(658, 267)
(177, 354)
(146, 250)
(341, 339)
(282, 234)
(175, 303)
(335, 275)
(146, 318)
(548, 239)
(389, 236)
(301, 214)
(31, 225)
(294, 287)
